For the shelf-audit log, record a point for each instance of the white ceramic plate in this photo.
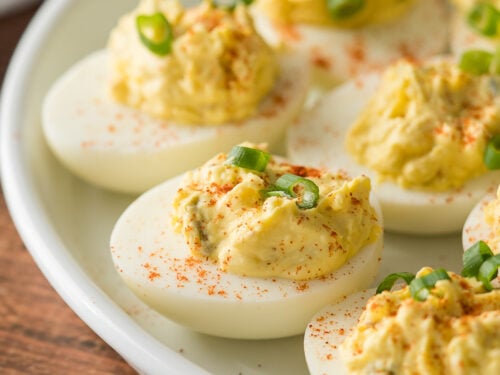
(66, 223)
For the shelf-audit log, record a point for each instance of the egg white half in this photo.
(328, 329)
(122, 149)
(476, 228)
(464, 38)
(318, 139)
(156, 264)
(343, 54)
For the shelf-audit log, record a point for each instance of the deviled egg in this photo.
(342, 39)
(442, 323)
(248, 245)
(173, 87)
(475, 24)
(419, 131)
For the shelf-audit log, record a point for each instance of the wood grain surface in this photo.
(39, 333)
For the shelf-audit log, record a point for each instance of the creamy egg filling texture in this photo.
(453, 331)
(191, 286)
(219, 69)
(424, 144)
(93, 135)
(382, 34)
(427, 126)
(319, 12)
(464, 35)
(223, 213)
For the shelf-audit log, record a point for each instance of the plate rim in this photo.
(92, 305)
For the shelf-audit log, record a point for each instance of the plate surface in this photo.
(66, 223)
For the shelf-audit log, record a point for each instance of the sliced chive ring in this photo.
(488, 271)
(484, 18)
(474, 257)
(293, 186)
(155, 33)
(342, 9)
(248, 158)
(272, 192)
(391, 279)
(476, 61)
(495, 63)
(230, 5)
(420, 286)
(491, 157)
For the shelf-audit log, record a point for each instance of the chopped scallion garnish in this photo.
(420, 286)
(474, 257)
(293, 186)
(249, 158)
(391, 279)
(230, 4)
(476, 61)
(479, 262)
(155, 33)
(342, 9)
(485, 19)
(491, 155)
(495, 63)
(488, 271)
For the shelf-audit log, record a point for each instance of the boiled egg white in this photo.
(328, 329)
(476, 227)
(156, 264)
(341, 54)
(121, 149)
(317, 139)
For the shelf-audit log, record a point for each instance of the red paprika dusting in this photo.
(289, 32)
(319, 60)
(153, 275)
(111, 128)
(302, 287)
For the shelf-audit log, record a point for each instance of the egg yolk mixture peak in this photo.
(426, 127)
(225, 214)
(334, 13)
(454, 331)
(216, 70)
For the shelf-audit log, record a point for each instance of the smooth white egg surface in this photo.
(464, 38)
(317, 139)
(122, 149)
(476, 227)
(328, 329)
(156, 264)
(343, 54)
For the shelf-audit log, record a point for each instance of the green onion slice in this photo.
(495, 63)
(488, 271)
(295, 186)
(391, 279)
(484, 18)
(275, 193)
(474, 257)
(342, 9)
(231, 4)
(420, 286)
(249, 158)
(476, 61)
(155, 33)
(491, 155)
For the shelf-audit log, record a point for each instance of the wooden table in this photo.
(39, 333)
